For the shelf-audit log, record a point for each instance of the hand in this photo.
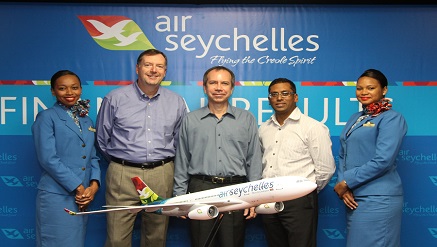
(87, 196)
(341, 188)
(345, 194)
(249, 213)
(79, 191)
(349, 200)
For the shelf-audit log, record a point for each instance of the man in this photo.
(294, 144)
(137, 130)
(218, 146)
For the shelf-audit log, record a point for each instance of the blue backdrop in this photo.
(322, 48)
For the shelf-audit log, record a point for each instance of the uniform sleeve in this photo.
(391, 131)
(43, 130)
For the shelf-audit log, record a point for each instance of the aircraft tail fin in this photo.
(145, 193)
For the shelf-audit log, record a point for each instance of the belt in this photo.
(221, 180)
(145, 165)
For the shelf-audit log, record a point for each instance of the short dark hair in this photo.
(151, 52)
(283, 80)
(377, 75)
(61, 73)
(205, 75)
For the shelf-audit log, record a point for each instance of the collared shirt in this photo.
(133, 127)
(217, 147)
(300, 147)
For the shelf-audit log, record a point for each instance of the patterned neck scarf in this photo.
(81, 108)
(377, 108)
(373, 110)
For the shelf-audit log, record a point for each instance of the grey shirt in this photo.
(217, 147)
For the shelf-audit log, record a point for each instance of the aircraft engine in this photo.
(270, 208)
(206, 212)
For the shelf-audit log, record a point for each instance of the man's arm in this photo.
(320, 148)
(104, 127)
(254, 155)
(182, 161)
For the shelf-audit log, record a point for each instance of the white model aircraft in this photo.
(266, 195)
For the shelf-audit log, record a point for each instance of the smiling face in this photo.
(369, 90)
(283, 105)
(67, 90)
(151, 70)
(218, 86)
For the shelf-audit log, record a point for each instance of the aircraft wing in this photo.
(132, 209)
(183, 206)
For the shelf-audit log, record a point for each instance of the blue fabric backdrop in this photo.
(322, 48)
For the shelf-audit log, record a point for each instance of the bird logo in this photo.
(116, 32)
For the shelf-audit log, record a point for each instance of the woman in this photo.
(64, 141)
(368, 182)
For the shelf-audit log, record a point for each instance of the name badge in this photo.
(369, 124)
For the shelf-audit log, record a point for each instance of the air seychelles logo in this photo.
(116, 32)
(122, 33)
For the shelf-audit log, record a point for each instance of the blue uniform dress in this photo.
(67, 157)
(367, 162)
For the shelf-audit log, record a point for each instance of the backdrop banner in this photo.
(322, 48)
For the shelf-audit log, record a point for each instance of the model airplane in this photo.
(266, 195)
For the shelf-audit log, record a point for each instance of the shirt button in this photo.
(83, 168)
(83, 145)
(84, 157)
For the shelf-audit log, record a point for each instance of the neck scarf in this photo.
(373, 110)
(81, 108)
(377, 108)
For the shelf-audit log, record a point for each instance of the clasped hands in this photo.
(346, 195)
(84, 196)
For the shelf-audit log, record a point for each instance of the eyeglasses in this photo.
(283, 94)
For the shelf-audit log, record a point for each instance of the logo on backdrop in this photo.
(122, 33)
(11, 181)
(12, 233)
(433, 179)
(8, 211)
(7, 158)
(333, 234)
(26, 181)
(433, 232)
(417, 158)
(116, 32)
(419, 210)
